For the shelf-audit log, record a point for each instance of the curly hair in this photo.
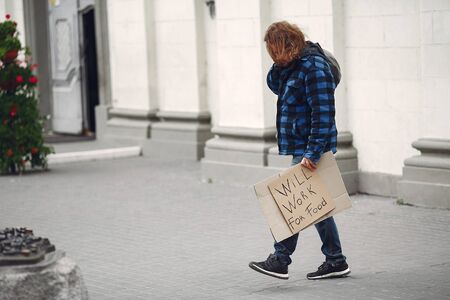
(284, 42)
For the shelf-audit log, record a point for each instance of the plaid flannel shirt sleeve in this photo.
(320, 96)
(273, 79)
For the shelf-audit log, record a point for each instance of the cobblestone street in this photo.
(142, 228)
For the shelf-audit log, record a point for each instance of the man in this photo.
(305, 129)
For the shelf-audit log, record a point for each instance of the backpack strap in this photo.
(315, 49)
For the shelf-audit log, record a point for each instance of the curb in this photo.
(92, 155)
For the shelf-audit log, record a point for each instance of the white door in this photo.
(65, 56)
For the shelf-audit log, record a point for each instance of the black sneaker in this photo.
(271, 266)
(328, 270)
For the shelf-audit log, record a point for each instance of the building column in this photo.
(104, 68)
(133, 103)
(426, 177)
(183, 124)
(244, 125)
(347, 155)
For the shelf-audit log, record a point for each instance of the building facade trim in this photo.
(426, 177)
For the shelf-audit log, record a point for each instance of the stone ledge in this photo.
(57, 277)
(379, 184)
(431, 145)
(118, 127)
(245, 133)
(179, 134)
(427, 161)
(241, 145)
(426, 177)
(132, 113)
(425, 194)
(128, 123)
(203, 116)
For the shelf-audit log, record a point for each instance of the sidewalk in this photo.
(143, 228)
(91, 150)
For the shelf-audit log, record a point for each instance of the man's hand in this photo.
(308, 164)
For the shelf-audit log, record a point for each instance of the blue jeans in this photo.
(331, 245)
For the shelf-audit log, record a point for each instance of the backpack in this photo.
(315, 49)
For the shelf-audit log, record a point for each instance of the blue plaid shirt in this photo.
(305, 107)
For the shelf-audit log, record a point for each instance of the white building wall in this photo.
(181, 70)
(435, 109)
(128, 54)
(383, 68)
(314, 17)
(243, 98)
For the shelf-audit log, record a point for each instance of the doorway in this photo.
(69, 88)
(89, 69)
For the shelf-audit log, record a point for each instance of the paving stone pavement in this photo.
(143, 228)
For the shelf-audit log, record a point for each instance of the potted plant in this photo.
(21, 138)
(9, 41)
(7, 28)
(9, 49)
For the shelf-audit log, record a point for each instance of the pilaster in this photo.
(238, 155)
(244, 124)
(426, 177)
(183, 120)
(347, 155)
(103, 68)
(128, 123)
(179, 135)
(128, 95)
(347, 160)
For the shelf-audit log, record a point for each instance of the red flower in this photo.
(34, 150)
(34, 66)
(8, 16)
(5, 121)
(33, 80)
(9, 152)
(13, 111)
(19, 79)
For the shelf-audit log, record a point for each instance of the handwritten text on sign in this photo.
(301, 197)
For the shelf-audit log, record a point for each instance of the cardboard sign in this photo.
(301, 197)
(328, 172)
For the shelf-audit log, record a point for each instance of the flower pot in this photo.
(10, 56)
